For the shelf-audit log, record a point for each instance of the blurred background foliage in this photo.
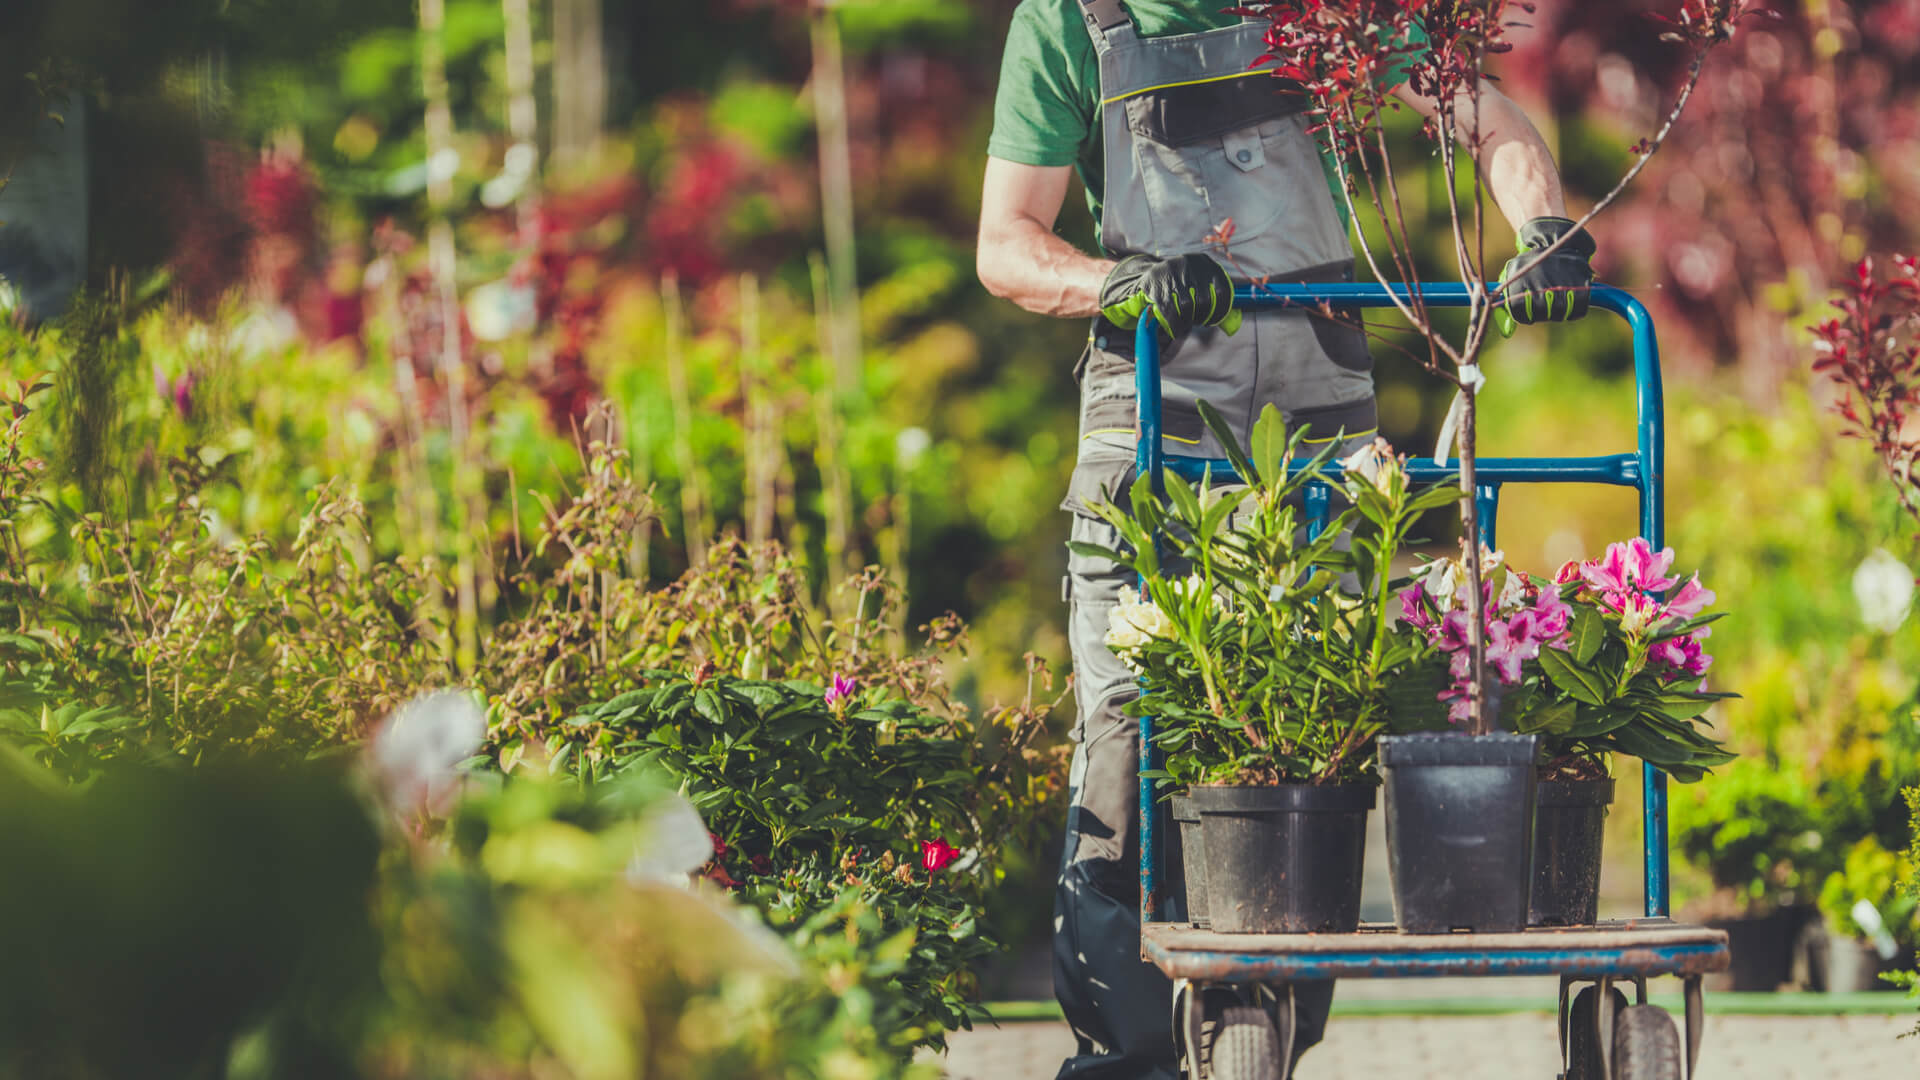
(746, 227)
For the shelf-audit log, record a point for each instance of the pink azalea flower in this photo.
(1569, 572)
(1551, 615)
(1691, 600)
(841, 690)
(1630, 567)
(1683, 655)
(1512, 643)
(1413, 608)
(1453, 631)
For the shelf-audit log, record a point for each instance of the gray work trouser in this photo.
(1119, 1006)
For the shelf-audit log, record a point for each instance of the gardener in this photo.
(1178, 142)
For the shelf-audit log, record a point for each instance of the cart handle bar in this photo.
(1645, 469)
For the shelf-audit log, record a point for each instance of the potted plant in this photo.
(1458, 803)
(1592, 663)
(1269, 662)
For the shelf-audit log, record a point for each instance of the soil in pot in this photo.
(1193, 858)
(1569, 820)
(1460, 812)
(1284, 859)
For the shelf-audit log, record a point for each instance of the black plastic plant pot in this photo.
(1569, 820)
(1285, 859)
(1459, 830)
(1193, 858)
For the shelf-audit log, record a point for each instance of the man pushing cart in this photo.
(1158, 108)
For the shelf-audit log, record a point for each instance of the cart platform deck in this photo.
(1633, 948)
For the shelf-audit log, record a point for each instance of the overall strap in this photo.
(1107, 22)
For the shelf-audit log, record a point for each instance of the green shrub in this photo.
(254, 920)
(823, 798)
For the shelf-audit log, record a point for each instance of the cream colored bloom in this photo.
(1133, 622)
(1441, 581)
(1514, 593)
(1376, 463)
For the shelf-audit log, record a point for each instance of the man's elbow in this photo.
(990, 265)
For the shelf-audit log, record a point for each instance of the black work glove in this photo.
(1556, 288)
(1184, 291)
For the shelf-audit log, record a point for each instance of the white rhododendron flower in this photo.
(672, 844)
(415, 752)
(1514, 593)
(1134, 622)
(1376, 463)
(1883, 587)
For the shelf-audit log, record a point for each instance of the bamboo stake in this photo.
(441, 258)
(762, 449)
(827, 449)
(523, 116)
(696, 514)
(836, 193)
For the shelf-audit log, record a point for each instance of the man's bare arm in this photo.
(1520, 172)
(1020, 257)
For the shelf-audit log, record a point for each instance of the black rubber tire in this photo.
(1583, 1042)
(1646, 1045)
(1245, 1046)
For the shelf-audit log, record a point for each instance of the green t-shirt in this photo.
(1047, 110)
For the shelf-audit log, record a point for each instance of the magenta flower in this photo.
(1551, 616)
(841, 690)
(1452, 631)
(1691, 600)
(1413, 608)
(937, 855)
(1683, 655)
(1630, 567)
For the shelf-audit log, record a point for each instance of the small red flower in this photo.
(936, 855)
(720, 847)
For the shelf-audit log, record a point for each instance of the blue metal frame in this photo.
(1644, 471)
(1274, 966)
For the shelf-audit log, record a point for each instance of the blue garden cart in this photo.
(1234, 1002)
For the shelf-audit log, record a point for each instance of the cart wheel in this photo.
(1246, 1046)
(1584, 1060)
(1646, 1045)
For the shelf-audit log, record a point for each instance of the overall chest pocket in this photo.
(1232, 149)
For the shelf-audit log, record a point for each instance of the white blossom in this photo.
(1134, 622)
(1883, 587)
(673, 842)
(415, 752)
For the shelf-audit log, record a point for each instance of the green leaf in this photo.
(1555, 719)
(1433, 498)
(1217, 424)
(1579, 684)
(1589, 632)
(1270, 446)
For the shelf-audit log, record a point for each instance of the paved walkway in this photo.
(1449, 1048)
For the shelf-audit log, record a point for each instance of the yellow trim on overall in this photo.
(1343, 438)
(1189, 82)
(1130, 431)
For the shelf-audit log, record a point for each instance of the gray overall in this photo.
(1192, 139)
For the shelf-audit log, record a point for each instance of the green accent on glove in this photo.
(1184, 291)
(1566, 274)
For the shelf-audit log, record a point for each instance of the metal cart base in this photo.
(1230, 986)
